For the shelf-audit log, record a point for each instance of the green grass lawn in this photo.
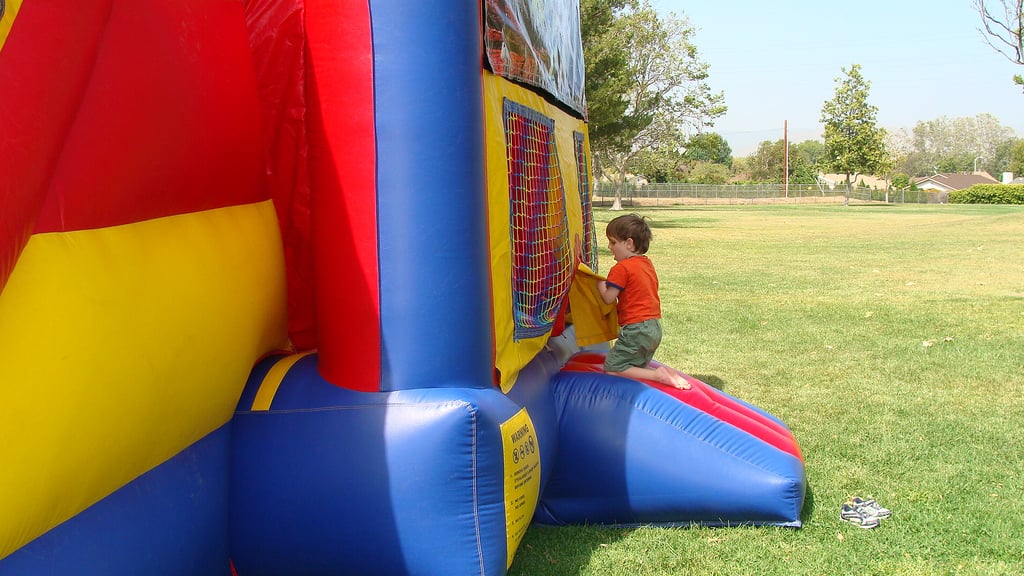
(890, 339)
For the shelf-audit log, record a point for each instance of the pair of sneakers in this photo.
(864, 513)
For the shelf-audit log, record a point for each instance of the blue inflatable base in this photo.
(170, 521)
(333, 481)
(630, 454)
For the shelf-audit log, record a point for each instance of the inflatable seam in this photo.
(476, 484)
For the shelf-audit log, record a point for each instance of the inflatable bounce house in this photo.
(300, 287)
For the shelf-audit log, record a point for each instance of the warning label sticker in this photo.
(522, 477)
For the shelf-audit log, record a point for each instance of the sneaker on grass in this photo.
(871, 507)
(857, 517)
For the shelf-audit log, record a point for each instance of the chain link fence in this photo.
(670, 194)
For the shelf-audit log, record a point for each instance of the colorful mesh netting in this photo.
(583, 181)
(541, 257)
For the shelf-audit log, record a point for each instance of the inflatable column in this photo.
(389, 449)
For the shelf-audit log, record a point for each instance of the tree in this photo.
(901, 182)
(953, 145)
(659, 164)
(766, 162)
(1003, 157)
(741, 167)
(1003, 24)
(810, 152)
(805, 161)
(708, 173)
(709, 147)
(854, 144)
(606, 61)
(899, 144)
(647, 89)
(801, 171)
(1015, 163)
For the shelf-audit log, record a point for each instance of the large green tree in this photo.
(1003, 26)
(854, 143)
(606, 65)
(646, 85)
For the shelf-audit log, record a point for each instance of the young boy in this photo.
(633, 281)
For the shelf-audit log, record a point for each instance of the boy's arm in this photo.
(609, 292)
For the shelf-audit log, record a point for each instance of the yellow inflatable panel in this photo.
(512, 355)
(8, 12)
(121, 346)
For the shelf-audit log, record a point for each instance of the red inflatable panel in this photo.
(168, 123)
(277, 35)
(343, 165)
(35, 112)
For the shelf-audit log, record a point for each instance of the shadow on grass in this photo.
(562, 549)
(685, 222)
(808, 509)
(688, 223)
(871, 205)
(669, 222)
(713, 381)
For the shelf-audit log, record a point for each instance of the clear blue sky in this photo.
(778, 61)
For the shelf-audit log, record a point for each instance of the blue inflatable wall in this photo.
(329, 480)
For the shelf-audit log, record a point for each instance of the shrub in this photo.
(989, 194)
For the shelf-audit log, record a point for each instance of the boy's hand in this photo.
(608, 293)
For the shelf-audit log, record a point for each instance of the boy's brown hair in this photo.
(633, 226)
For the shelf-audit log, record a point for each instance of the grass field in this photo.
(890, 339)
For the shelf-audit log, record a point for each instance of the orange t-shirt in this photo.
(638, 289)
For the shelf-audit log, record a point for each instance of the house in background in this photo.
(950, 182)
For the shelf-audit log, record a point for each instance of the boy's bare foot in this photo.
(672, 378)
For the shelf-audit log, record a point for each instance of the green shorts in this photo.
(635, 346)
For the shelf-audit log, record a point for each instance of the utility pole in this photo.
(785, 156)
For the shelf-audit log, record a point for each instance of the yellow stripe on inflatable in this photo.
(510, 355)
(10, 12)
(272, 381)
(120, 347)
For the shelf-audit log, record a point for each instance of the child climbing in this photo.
(634, 283)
